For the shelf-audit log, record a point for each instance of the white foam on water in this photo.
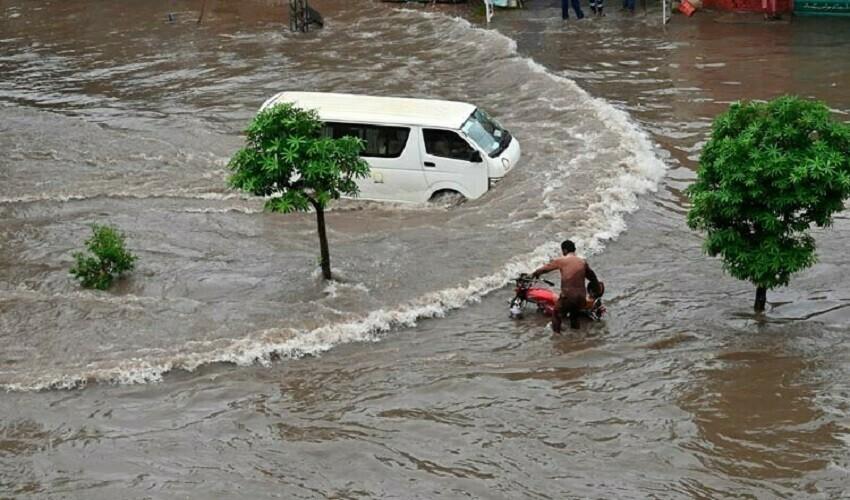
(342, 205)
(645, 169)
(23, 292)
(213, 210)
(177, 193)
(605, 220)
(354, 204)
(334, 288)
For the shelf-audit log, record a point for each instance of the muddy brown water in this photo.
(223, 367)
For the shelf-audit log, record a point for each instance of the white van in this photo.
(416, 148)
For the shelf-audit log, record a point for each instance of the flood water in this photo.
(224, 367)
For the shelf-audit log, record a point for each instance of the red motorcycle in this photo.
(528, 289)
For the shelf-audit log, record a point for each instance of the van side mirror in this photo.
(475, 157)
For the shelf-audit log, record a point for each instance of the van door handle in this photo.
(430, 164)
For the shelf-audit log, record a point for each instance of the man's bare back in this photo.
(574, 271)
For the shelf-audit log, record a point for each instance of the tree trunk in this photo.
(323, 241)
(761, 299)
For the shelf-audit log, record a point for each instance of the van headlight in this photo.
(506, 164)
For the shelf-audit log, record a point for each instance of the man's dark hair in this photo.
(568, 246)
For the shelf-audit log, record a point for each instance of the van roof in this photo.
(389, 110)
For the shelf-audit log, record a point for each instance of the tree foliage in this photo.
(287, 159)
(770, 171)
(107, 260)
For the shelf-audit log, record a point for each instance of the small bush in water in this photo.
(108, 258)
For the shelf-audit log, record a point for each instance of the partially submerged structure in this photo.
(798, 7)
(302, 16)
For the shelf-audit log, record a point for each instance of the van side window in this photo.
(381, 142)
(446, 144)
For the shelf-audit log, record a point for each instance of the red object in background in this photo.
(686, 8)
(747, 5)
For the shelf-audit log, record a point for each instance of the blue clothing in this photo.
(629, 4)
(565, 8)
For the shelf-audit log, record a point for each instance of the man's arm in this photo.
(545, 269)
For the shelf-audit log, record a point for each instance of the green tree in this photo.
(287, 159)
(108, 258)
(770, 171)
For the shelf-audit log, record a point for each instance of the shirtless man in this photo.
(574, 270)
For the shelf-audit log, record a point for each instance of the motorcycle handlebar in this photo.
(530, 278)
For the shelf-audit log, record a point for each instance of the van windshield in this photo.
(486, 132)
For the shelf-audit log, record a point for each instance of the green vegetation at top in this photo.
(108, 258)
(287, 159)
(770, 171)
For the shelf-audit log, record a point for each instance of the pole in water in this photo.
(203, 9)
(488, 10)
(298, 15)
(301, 16)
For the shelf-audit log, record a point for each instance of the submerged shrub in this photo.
(108, 258)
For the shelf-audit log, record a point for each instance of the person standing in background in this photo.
(769, 8)
(596, 6)
(565, 9)
(630, 6)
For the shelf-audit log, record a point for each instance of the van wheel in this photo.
(447, 198)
